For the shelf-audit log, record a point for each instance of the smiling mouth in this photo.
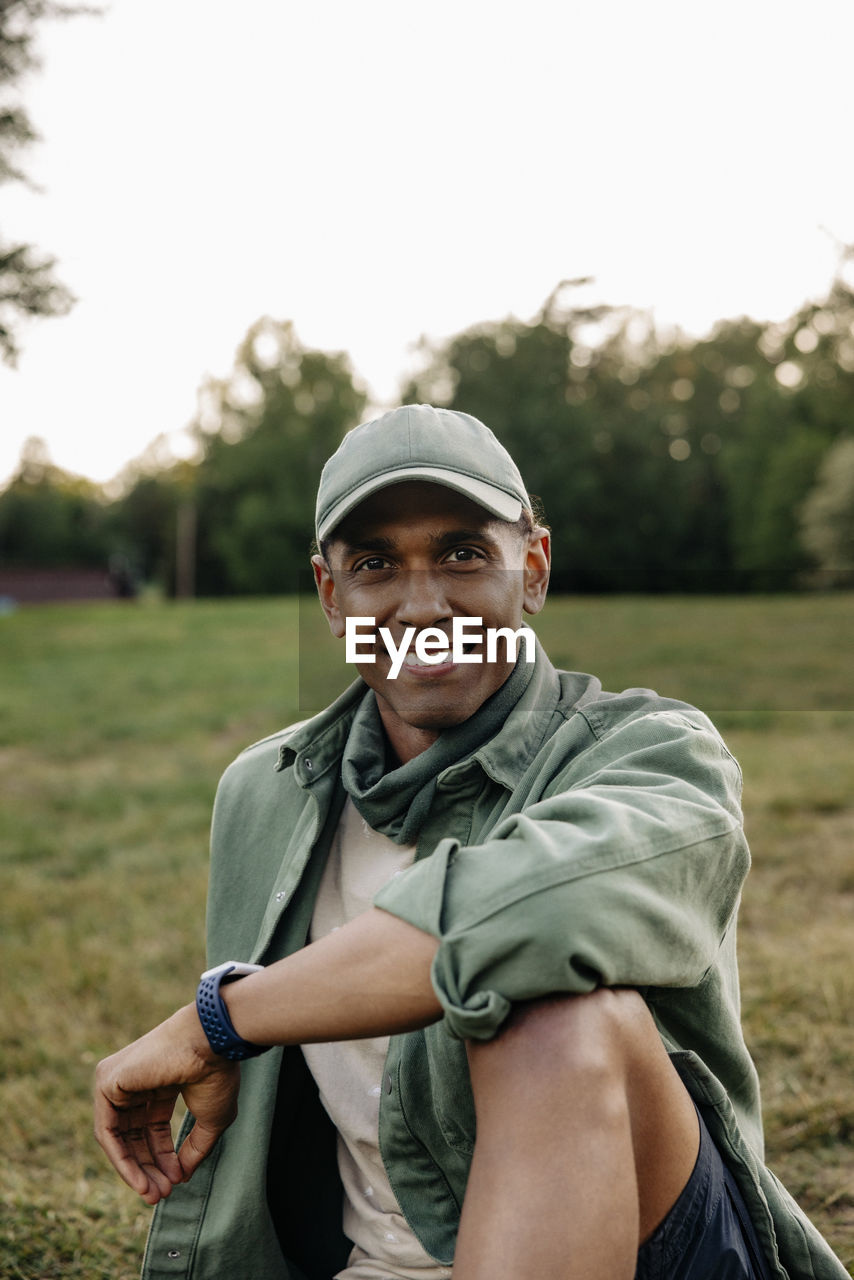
(413, 663)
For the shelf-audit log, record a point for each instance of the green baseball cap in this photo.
(418, 442)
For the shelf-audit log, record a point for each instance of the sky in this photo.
(380, 171)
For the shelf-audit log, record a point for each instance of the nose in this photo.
(422, 600)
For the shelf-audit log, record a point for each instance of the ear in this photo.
(328, 599)
(538, 560)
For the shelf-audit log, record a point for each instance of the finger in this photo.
(122, 1132)
(131, 1127)
(111, 1138)
(158, 1134)
(135, 1130)
(213, 1104)
(198, 1144)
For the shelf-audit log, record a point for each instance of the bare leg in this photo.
(585, 1138)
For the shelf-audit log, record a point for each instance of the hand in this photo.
(135, 1094)
(369, 978)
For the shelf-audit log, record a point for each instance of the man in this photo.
(529, 885)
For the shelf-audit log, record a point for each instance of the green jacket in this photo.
(596, 839)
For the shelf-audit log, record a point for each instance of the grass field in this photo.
(115, 722)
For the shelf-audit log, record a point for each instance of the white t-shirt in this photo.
(349, 1073)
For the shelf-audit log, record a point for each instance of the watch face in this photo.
(234, 969)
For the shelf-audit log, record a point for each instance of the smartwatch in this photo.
(213, 1015)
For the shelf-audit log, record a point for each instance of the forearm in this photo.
(369, 978)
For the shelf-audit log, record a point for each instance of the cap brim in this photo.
(496, 501)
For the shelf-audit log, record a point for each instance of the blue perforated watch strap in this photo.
(213, 1015)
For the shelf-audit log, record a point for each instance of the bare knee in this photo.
(568, 1038)
(554, 1081)
(608, 1013)
(589, 1073)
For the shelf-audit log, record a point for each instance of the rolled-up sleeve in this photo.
(626, 871)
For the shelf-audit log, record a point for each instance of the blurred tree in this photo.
(827, 517)
(143, 526)
(49, 517)
(579, 395)
(786, 391)
(238, 518)
(264, 434)
(28, 286)
(671, 464)
(664, 464)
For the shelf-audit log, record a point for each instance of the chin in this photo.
(435, 718)
(430, 710)
(436, 723)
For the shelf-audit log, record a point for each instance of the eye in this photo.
(464, 555)
(373, 564)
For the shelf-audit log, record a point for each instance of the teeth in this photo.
(412, 660)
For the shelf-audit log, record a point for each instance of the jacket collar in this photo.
(317, 745)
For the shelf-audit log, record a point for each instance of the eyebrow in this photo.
(454, 536)
(439, 541)
(367, 544)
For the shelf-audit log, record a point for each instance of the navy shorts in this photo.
(707, 1235)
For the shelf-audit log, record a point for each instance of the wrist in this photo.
(223, 1040)
(186, 1029)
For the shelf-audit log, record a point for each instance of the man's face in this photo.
(419, 555)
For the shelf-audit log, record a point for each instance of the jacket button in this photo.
(174, 1253)
(280, 896)
(387, 1082)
